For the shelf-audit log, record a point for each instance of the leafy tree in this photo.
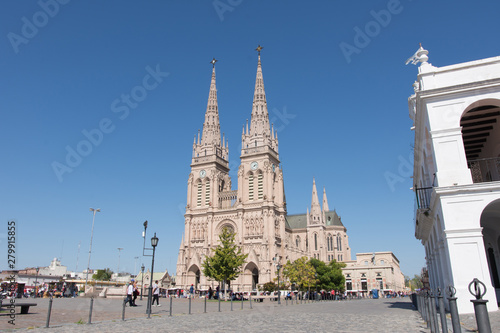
(416, 282)
(269, 286)
(300, 272)
(225, 263)
(330, 277)
(102, 275)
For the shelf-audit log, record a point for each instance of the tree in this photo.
(300, 272)
(330, 277)
(102, 275)
(225, 263)
(269, 286)
(415, 283)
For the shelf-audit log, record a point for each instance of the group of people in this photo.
(133, 292)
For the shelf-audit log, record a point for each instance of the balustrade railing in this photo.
(423, 197)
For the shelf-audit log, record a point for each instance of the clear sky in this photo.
(336, 86)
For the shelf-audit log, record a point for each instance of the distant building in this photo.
(256, 210)
(165, 280)
(379, 270)
(456, 116)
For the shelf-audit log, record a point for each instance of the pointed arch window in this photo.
(315, 242)
(260, 186)
(198, 198)
(250, 186)
(339, 243)
(207, 192)
(297, 241)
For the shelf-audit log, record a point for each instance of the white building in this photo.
(456, 113)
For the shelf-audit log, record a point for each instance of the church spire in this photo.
(260, 130)
(211, 126)
(325, 201)
(260, 117)
(315, 207)
(210, 143)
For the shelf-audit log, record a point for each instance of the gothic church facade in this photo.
(256, 211)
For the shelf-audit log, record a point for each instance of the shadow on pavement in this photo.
(400, 305)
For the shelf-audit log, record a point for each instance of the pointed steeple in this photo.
(315, 207)
(260, 130)
(260, 116)
(210, 143)
(211, 126)
(325, 201)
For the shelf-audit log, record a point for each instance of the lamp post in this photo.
(154, 243)
(142, 280)
(316, 283)
(90, 249)
(36, 281)
(118, 269)
(278, 267)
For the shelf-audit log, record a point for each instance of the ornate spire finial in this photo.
(213, 62)
(259, 48)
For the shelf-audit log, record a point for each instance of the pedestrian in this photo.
(191, 291)
(136, 292)
(130, 293)
(210, 293)
(156, 294)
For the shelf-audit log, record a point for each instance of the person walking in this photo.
(191, 291)
(130, 293)
(156, 294)
(136, 292)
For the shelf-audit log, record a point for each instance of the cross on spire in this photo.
(259, 48)
(213, 62)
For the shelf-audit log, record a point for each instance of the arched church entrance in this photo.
(193, 276)
(251, 275)
(490, 222)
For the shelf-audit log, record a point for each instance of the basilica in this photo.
(256, 210)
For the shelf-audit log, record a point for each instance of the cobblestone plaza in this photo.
(364, 315)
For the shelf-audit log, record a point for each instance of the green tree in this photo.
(102, 275)
(301, 273)
(269, 286)
(416, 282)
(225, 263)
(330, 277)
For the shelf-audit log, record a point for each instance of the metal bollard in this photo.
(231, 303)
(455, 318)
(218, 298)
(171, 297)
(442, 312)
(123, 310)
(482, 317)
(428, 310)
(434, 320)
(286, 301)
(48, 313)
(205, 307)
(189, 304)
(250, 300)
(90, 311)
(242, 301)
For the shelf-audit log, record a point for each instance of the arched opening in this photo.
(251, 276)
(194, 276)
(481, 138)
(490, 222)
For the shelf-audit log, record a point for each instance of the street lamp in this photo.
(154, 243)
(278, 267)
(90, 249)
(142, 280)
(316, 284)
(118, 269)
(36, 281)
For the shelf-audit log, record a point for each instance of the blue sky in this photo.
(339, 101)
